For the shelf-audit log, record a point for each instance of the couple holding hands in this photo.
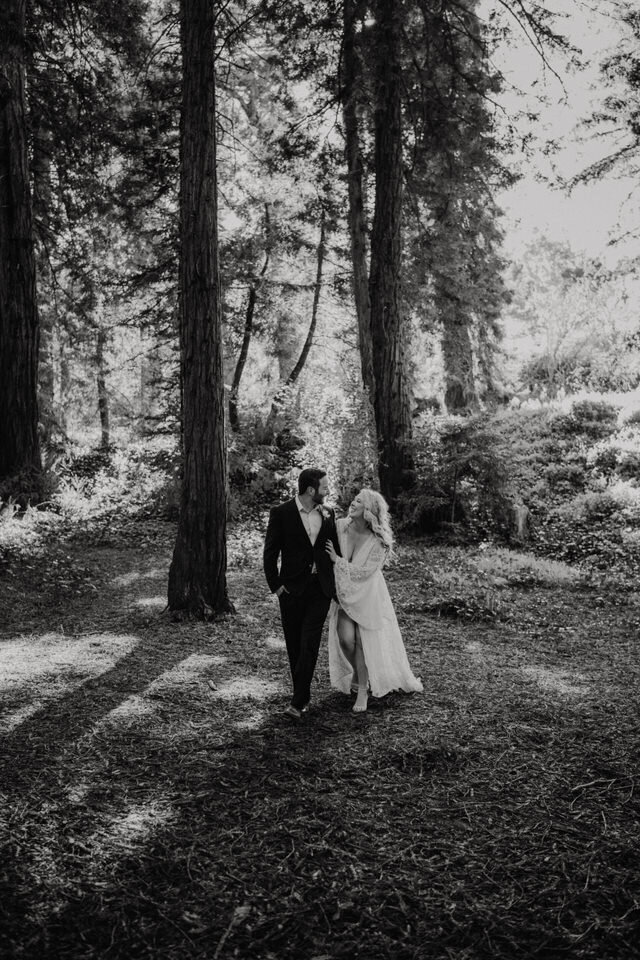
(316, 566)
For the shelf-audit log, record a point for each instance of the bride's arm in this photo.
(348, 575)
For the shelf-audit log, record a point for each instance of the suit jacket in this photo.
(288, 541)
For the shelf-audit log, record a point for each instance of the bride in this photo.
(366, 651)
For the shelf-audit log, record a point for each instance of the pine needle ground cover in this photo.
(155, 803)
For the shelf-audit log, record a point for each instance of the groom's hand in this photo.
(281, 590)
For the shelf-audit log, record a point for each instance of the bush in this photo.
(525, 569)
(633, 419)
(261, 473)
(570, 475)
(628, 467)
(462, 477)
(589, 418)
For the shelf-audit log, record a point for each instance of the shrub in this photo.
(525, 569)
(589, 418)
(605, 460)
(462, 477)
(24, 533)
(460, 595)
(570, 475)
(628, 467)
(633, 419)
(261, 473)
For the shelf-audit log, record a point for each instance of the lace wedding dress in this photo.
(363, 595)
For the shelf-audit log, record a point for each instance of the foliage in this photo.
(260, 473)
(516, 569)
(570, 322)
(461, 476)
(591, 418)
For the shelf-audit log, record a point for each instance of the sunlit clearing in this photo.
(194, 669)
(249, 688)
(556, 680)
(126, 579)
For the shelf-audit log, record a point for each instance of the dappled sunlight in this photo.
(39, 670)
(130, 710)
(274, 642)
(251, 722)
(247, 688)
(126, 579)
(131, 827)
(558, 681)
(152, 603)
(192, 670)
(475, 648)
(29, 658)
(14, 718)
(77, 792)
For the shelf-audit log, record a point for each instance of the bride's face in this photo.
(357, 508)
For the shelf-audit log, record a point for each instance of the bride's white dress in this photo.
(363, 595)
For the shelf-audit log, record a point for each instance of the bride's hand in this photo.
(331, 550)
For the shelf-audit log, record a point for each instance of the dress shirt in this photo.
(312, 523)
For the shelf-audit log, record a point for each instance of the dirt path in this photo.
(155, 803)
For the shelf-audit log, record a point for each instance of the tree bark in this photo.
(304, 353)
(457, 356)
(101, 383)
(197, 576)
(392, 402)
(352, 75)
(248, 331)
(19, 330)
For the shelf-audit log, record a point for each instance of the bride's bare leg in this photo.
(347, 638)
(362, 675)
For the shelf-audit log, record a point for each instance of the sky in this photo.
(589, 216)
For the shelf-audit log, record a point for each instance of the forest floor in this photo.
(155, 802)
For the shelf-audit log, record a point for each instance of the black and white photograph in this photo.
(319, 479)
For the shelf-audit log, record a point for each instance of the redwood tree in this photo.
(388, 327)
(197, 577)
(19, 334)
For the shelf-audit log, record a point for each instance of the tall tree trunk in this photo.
(41, 205)
(101, 382)
(248, 330)
(392, 403)
(304, 353)
(352, 75)
(457, 350)
(19, 332)
(197, 576)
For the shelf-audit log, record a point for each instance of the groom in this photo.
(297, 535)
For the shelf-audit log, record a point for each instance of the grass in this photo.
(154, 802)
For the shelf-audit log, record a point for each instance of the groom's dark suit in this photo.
(304, 603)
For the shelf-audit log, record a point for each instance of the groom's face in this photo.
(322, 491)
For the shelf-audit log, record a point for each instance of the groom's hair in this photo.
(310, 478)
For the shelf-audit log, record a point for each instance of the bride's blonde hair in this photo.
(376, 514)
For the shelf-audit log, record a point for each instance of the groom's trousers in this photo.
(303, 618)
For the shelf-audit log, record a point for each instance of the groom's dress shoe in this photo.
(293, 713)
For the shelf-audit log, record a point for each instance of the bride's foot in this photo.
(361, 700)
